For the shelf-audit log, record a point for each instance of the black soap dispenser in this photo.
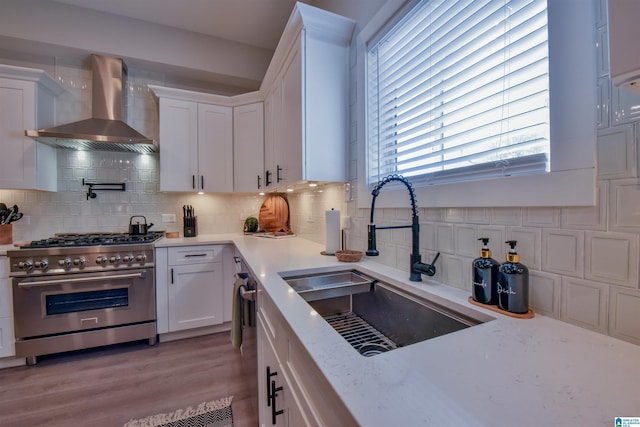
(513, 283)
(485, 276)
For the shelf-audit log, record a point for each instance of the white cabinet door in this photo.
(7, 340)
(215, 148)
(196, 146)
(271, 411)
(25, 164)
(178, 145)
(272, 141)
(195, 296)
(291, 154)
(248, 148)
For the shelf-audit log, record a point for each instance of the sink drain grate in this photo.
(361, 335)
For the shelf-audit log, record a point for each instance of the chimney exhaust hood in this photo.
(105, 130)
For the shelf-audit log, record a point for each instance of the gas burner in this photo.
(93, 239)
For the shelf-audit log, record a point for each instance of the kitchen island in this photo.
(507, 371)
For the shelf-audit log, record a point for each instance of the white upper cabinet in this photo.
(27, 102)
(248, 148)
(307, 100)
(624, 49)
(196, 142)
(294, 129)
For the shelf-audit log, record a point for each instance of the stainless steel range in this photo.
(75, 291)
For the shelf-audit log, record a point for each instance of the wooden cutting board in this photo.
(274, 215)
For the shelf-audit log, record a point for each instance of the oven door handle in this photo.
(37, 282)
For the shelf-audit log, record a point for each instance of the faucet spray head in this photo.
(371, 240)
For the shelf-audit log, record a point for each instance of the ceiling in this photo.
(253, 22)
(221, 46)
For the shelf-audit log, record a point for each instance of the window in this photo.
(566, 173)
(459, 90)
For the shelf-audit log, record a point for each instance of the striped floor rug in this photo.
(216, 413)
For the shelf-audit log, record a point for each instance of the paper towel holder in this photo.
(336, 244)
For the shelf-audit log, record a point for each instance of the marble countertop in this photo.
(524, 372)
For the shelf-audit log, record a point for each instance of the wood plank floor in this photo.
(111, 385)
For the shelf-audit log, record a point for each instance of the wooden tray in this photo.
(528, 315)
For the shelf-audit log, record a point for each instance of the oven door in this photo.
(47, 305)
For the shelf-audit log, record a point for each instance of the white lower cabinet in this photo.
(292, 391)
(192, 287)
(7, 340)
(195, 296)
(278, 402)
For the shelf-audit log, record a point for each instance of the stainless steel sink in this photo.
(373, 316)
(314, 287)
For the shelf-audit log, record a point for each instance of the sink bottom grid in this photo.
(360, 334)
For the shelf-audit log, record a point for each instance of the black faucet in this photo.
(417, 267)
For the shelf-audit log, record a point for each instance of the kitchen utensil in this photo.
(189, 221)
(138, 228)
(10, 214)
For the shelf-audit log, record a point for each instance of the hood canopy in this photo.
(105, 130)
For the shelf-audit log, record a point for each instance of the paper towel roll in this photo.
(332, 240)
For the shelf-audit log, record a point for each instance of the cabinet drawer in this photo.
(181, 255)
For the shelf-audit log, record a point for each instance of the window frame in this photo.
(571, 180)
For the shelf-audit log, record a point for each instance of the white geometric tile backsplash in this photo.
(583, 261)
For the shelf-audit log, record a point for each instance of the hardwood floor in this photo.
(111, 385)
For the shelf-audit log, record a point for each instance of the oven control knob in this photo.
(102, 260)
(115, 259)
(25, 265)
(42, 265)
(141, 258)
(127, 258)
(66, 263)
(79, 261)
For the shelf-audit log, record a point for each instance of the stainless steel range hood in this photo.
(105, 130)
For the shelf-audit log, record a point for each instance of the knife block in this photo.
(6, 234)
(190, 226)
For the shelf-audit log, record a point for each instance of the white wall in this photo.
(57, 29)
(583, 261)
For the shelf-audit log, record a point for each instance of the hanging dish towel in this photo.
(236, 313)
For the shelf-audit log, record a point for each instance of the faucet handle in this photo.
(428, 269)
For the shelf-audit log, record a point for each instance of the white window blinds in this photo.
(458, 90)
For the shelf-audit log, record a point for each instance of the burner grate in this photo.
(93, 239)
(360, 334)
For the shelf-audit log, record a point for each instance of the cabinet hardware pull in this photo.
(193, 182)
(194, 255)
(269, 375)
(202, 182)
(172, 276)
(259, 185)
(274, 411)
(30, 283)
(278, 170)
(267, 178)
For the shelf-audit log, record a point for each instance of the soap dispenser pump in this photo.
(513, 283)
(485, 276)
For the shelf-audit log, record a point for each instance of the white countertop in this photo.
(524, 372)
